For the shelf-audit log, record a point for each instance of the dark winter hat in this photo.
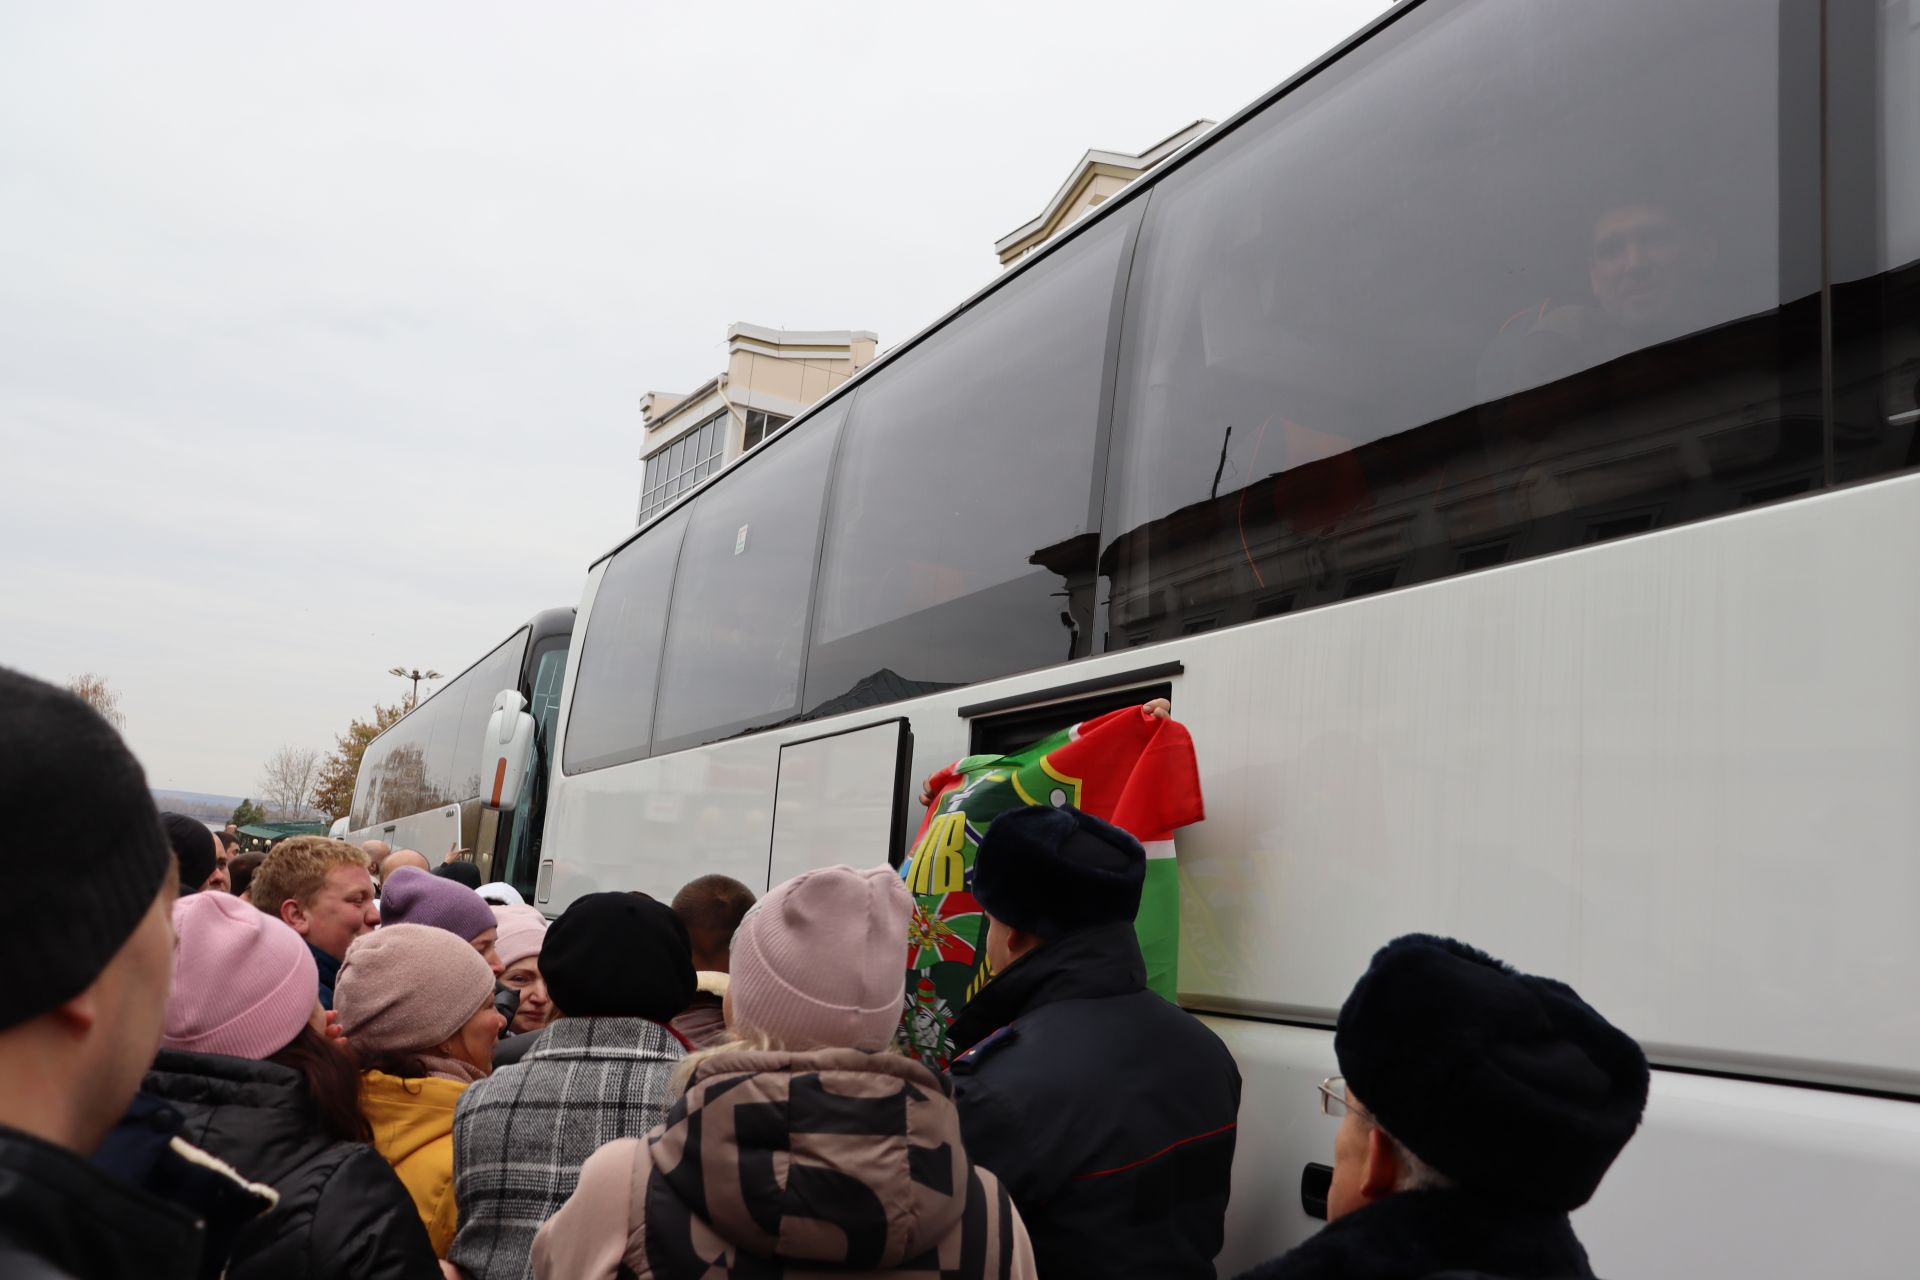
(1505, 1082)
(618, 955)
(1054, 871)
(83, 844)
(192, 842)
(460, 873)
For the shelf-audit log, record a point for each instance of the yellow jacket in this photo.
(413, 1128)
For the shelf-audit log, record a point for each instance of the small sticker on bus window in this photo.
(740, 541)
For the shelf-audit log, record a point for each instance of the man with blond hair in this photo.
(322, 888)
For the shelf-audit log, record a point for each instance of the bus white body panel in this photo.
(431, 833)
(1673, 771)
(1725, 1177)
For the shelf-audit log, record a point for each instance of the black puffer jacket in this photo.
(65, 1218)
(342, 1215)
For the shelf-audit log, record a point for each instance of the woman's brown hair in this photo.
(333, 1084)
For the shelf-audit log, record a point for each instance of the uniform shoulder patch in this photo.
(1004, 1036)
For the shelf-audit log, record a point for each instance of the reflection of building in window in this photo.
(1099, 176)
(771, 376)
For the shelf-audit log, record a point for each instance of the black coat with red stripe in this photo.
(1107, 1112)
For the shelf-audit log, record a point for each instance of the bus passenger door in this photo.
(842, 798)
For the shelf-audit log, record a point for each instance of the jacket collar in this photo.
(56, 1206)
(329, 967)
(636, 1039)
(1089, 965)
(214, 1079)
(1422, 1233)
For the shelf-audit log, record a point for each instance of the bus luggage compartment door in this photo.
(842, 798)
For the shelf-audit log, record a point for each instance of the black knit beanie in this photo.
(192, 845)
(460, 873)
(83, 844)
(1505, 1082)
(618, 955)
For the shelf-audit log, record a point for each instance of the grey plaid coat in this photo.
(520, 1135)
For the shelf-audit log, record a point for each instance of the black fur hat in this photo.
(1056, 871)
(1505, 1082)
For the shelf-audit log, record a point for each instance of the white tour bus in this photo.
(1499, 442)
(420, 782)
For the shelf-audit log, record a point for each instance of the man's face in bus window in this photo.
(340, 912)
(1643, 260)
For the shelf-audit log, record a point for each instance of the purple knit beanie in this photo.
(244, 983)
(411, 896)
(407, 988)
(820, 961)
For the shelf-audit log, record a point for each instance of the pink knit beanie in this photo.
(406, 988)
(820, 961)
(522, 930)
(244, 983)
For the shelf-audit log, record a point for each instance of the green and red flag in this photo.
(1130, 767)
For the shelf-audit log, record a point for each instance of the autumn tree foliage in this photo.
(94, 691)
(285, 780)
(333, 787)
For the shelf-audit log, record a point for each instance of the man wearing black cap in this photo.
(619, 968)
(1107, 1112)
(1480, 1106)
(77, 1035)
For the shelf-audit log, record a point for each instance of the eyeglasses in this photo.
(1333, 1098)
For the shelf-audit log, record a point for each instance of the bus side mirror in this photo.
(509, 746)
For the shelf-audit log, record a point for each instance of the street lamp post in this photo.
(416, 675)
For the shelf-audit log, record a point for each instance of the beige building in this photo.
(1098, 176)
(771, 375)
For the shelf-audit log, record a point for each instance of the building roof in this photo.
(657, 408)
(1092, 164)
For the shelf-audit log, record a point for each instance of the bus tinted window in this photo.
(1509, 278)
(738, 630)
(403, 770)
(612, 716)
(549, 676)
(432, 757)
(1874, 132)
(497, 671)
(957, 544)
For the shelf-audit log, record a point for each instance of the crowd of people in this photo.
(340, 1062)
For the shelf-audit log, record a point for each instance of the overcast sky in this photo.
(323, 328)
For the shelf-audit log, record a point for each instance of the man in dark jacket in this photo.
(85, 850)
(1107, 1112)
(1479, 1108)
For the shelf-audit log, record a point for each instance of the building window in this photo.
(674, 468)
(760, 426)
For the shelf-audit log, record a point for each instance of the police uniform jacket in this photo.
(1107, 1112)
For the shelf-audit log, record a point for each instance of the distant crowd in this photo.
(343, 1061)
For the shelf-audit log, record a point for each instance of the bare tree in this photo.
(92, 690)
(287, 779)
